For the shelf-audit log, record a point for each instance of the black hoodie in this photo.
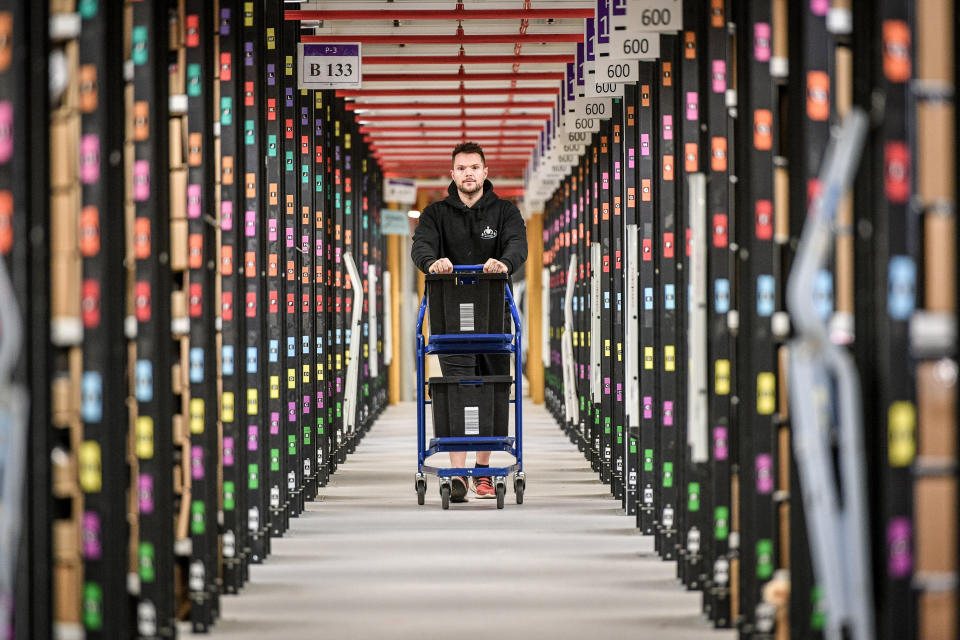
(491, 228)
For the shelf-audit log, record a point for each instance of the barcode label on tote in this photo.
(466, 317)
(471, 421)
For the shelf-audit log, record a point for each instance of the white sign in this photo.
(597, 89)
(399, 191)
(635, 45)
(394, 222)
(576, 137)
(328, 66)
(615, 70)
(650, 15)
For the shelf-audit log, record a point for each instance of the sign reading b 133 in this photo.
(328, 66)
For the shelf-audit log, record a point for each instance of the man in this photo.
(471, 226)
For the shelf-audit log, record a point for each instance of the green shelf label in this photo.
(274, 459)
(291, 445)
(92, 606)
(229, 495)
(253, 474)
(667, 475)
(147, 565)
(198, 524)
(764, 559)
(721, 523)
(648, 459)
(693, 496)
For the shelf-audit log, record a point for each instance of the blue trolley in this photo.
(470, 343)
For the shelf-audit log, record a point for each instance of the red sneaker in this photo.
(483, 487)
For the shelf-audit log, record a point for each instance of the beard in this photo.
(477, 186)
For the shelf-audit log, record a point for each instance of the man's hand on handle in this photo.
(494, 266)
(443, 265)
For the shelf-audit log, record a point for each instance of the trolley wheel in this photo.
(518, 487)
(421, 491)
(445, 496)
(501, 492)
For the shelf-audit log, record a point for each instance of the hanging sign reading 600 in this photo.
(329, 66)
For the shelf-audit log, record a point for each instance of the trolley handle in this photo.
(468, 268)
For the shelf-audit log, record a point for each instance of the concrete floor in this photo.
(365, 561)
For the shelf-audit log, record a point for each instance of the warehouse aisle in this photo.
(365, 561)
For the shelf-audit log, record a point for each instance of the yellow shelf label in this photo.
(198, 412)
(721, 381)
(274, 387)
(144, 429)
(91, 476)
(901, 433)
(766, 393)
(669, 358)
(648, 358)
(252, 402)
(226, 406)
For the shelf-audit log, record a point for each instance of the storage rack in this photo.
(693, 505)
(232, 451)
(757, 297)
(294, 436)
(133, 543)
(275, 472)
(197, 34)
(104, 528)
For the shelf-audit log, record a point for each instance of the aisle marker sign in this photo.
(328, 66)
(648, 15)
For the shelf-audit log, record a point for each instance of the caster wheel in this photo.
(501, 492)
(518, 488)
(445, 496)
(421, 491)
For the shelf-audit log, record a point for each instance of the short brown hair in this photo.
(469, 147)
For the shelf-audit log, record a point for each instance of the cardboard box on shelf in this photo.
(937, 409)
(64, 150)
(937, 618)
(940, 283)
(178, 305)
(935, 152)
(176, 143)
(65, 276)
(64, 210)
(63, 471)
(935, 523)
(178, 194)
(67, 577)
(60, 394)
(66, 540)
(179, 252)
(935, 21)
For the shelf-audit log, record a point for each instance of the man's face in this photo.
(468, 173)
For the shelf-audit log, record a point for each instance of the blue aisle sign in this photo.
(328, 66)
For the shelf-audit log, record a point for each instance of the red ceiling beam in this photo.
(381, 141)
(447, 148)
(477, 38)
(557, 58)
(420, 106)
(436, 118)
(420, 91)
(461, 130)
(410, 78)
(437, 14)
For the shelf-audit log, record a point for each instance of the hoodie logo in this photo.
(488, 234)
